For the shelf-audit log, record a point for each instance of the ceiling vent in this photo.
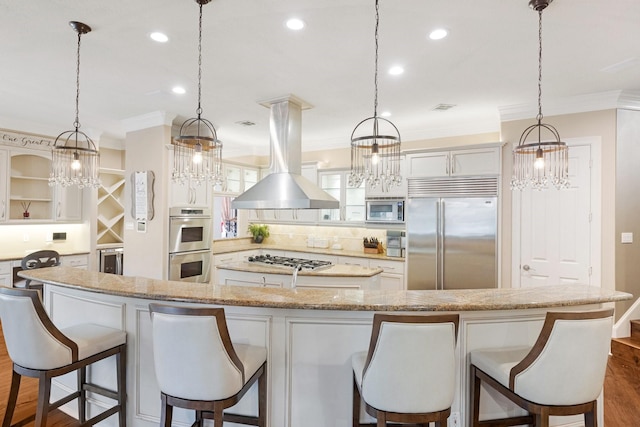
(443, 107)
(246, 123)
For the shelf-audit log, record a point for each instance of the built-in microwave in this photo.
(385, 210)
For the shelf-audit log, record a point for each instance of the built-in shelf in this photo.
(29, 185)
(110, 221)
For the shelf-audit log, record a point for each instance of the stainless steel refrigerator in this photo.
(452, 234)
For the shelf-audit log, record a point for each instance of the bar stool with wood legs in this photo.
(408, 373)
(198, 367)
(39, 349)
(562, 374)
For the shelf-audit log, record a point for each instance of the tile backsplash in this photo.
(347, 238)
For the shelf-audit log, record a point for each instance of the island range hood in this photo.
(285, 187)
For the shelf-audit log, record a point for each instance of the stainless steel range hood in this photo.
(284, 187)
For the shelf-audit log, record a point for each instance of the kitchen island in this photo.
(336, 276)
(310, 334)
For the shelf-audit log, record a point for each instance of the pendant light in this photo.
(197, 152)
(375, 144)
(538, 163)
(75, 159)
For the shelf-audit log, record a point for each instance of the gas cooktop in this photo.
(301, 263)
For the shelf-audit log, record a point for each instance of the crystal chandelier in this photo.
(75, 159)
(538, 163)
(197, 152)
(375, 144)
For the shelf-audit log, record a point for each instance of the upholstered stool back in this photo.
(191, 358)
(576, 349)
(29, 342)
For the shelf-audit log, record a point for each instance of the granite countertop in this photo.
(241, 245)
(338, 270)
(325, 299)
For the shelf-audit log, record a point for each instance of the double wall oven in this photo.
(190, 244)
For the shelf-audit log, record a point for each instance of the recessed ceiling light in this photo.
(159, 37)
(396, 70)
(295, 24)
(385, 114)
(178, 90)
(438, 34)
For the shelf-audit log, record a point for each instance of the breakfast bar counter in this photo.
(310, 335)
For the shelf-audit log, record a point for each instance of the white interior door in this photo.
(556, 229)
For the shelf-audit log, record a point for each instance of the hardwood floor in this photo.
(621, 394)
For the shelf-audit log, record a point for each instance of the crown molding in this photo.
(576, 104)
(148, 120)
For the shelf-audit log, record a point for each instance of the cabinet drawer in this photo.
(396, 267)
(75, 260)
(348, 260)
(225, 258)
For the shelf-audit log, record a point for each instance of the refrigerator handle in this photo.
(440, 245)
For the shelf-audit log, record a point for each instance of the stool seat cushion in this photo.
(252, 357)
(93, 339)
(497, 363)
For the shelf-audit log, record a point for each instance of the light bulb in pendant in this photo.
(75, 164)
(375, 157)
(197, 155)
(539, 162)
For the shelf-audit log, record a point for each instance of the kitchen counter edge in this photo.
(326, 299)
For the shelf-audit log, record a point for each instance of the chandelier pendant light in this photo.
(538, 163)
(197, 152)
(75, 159)
(375, 144)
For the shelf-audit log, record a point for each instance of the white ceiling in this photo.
(488, 62)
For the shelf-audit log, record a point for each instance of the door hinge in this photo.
(590, 271)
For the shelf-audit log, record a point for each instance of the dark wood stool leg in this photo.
(356, 404)
(13, 398)
(474, 388)
(44, 394)
(82, 398)
(591, 417)
(121, 371)
(382, 419)
(166, 414)
(262, 398)
(218, 410)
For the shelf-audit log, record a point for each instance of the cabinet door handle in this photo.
(3, 209)
(59, 211)
(453, 163)
(447, 164)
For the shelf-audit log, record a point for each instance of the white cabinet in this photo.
(479, 161)
(5, 273)
(393, 191)
(188, 194)
(352, 207)
(392, 277)
(4, 183)
(67, 203)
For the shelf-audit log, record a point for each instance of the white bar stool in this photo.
(562, 374)
(408, 374)
(198, 367)
(39, 349)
